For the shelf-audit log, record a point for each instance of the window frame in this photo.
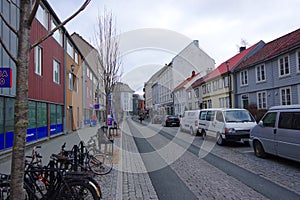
(56, 69)
(42, 16)
(284, 63)
(58, 34)
(38, 60)
(258, 100)
(290, 95)
(244, 78)
(298, 61)
(261, 77)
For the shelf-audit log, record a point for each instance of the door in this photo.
(70, 119)
(218, 123)
(210, 117)
(288, 135)
(266, 132)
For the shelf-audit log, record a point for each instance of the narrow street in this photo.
(155, 162)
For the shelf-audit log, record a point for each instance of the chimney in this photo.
(196, 43)
(242, 49)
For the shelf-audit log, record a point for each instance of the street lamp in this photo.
(229, 83)
(72, 68)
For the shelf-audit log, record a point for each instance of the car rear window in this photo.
(289, 120)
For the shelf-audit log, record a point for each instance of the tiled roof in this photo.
(186, 81)
(273, 48)
(233, 62)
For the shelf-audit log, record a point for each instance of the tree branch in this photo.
(84, 5)
(7, 51)
(33, 12)
(9, 26)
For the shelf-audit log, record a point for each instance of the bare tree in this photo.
(28, 9)
(107, 43)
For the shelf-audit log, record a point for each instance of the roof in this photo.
(273, 49)
(186, 81)
(233, 62)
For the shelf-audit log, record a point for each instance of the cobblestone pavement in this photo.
(129, 179)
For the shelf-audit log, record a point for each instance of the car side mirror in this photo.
(261, 123)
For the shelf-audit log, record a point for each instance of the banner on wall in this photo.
(5, 78)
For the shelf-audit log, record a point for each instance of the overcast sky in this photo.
(219, 25)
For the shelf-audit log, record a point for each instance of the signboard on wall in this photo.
(5, 78)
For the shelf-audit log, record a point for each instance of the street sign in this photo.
(5, 77)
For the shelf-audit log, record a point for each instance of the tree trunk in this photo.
(21, 104)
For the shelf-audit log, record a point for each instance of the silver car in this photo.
(278, 133)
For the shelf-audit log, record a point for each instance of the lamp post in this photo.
(229, 83)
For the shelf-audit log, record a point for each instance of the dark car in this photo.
(171, 120)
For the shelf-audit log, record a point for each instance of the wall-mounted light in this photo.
(72, 68)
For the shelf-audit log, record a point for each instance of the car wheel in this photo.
(259, 150)
(220, 140)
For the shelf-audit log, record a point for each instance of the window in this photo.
(260, 73)
(210, 115)
(70, 49)
(38, 56)
(261, 100)
(215, 86)
(285, 94)
(70, 81)
(226, 82)
(220, 83)
(56, 71)
(76, 57)
(57, 35)
(298, 61)
(219, 116)
(42, 16)
(204, 89)
(189, 95)
(244, 78)
(88, 72)
(202, 115)
(196, 90)
(208, 88)
(221, 102)
(269, 119)
(284, 67)
(209, 103)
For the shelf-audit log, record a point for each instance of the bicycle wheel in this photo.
(79, 190)
(100, 164)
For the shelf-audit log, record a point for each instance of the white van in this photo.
(189, 121)
(226, 124)
(278, 133)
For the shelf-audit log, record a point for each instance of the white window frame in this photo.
(57, 35)
(259, 71)
(282, 58)
(298, 61)
(244, 77)
(263, 95)
(70, 49)
(56, 70)
(38, 60)
(286, 96)
(76, 59)
(226, 81)
(42, 16)
(70, 81)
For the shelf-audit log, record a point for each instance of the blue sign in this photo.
(96, 106)
(5, 77)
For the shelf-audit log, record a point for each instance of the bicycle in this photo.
(4, 186)
(52, 182)
(81, 158)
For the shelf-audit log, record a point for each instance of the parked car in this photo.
(190, 121)
(157, 119)
(226, 124)
(171, 120)
(278, 133)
